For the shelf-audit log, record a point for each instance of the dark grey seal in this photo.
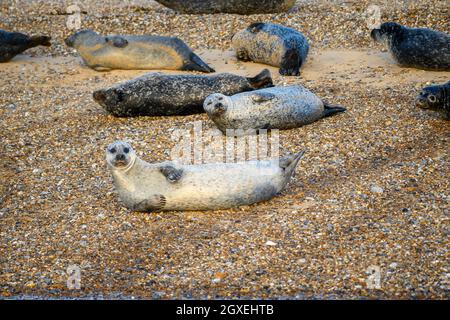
(435, 97)
(274, 45)
(418, 48)
(228, 6)
(156, 94)
(13, 43)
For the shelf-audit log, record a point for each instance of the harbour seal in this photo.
(274, 45)
(418, 48)
(436, 97)
(156, 94)
(13, 43)
(228, 6)
(135, 52)
(271, 108)
(144, 186)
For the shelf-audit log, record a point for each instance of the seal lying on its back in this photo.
(436, 98)
(135, 52)
(271, 108)
(13, 43)
(418, 48)
(272, 44)
(146, 186)
(156, 94)
(228, 6)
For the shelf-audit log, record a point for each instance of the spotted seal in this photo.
(271, 108)
(274, 45)
(435, 97)
(13, 43)
(157, 94)
(144, 186)
(415, 47)
(135, 52)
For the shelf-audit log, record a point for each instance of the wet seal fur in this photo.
(271, 108)
(13, 43)
(418, 48)
(146, 187)
(156, 94)
(435, 97)
(274, 45)
(135, 52)
(228, 6)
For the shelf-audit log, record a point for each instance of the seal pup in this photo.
(415, 47)
(228, 6)
(135, 52)
(274, 45)
(144, 186)
(435, 97)
(13, 43)
(271, 108)
(156, 94)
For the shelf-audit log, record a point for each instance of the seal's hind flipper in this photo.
(330, 110)
(156, 202)
(262, 96)
(196, 64)
(255, 27)
(261, 80)
(288, 163)
(290, 63)
(171, 173)
(117, 41)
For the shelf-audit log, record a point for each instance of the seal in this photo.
(417, 48)
(435, 97)
(13, 43)
(135, 52)
(274, 45)
(156, 94)
(244, 7)
(145, 187)
(271, 108)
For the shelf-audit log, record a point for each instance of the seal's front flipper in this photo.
(117, 41)
(242, 54)
(196, 64)
(155, 203)
(330, 110)
(290, 63)
(261, 80)
(262, 96)
(171, 173)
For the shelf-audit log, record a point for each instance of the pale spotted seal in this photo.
(157, 94)
(270, 108)
(135, 52)
(435, 97)
(415, 47)
(144, 186)
(13, 43)
(274, 45)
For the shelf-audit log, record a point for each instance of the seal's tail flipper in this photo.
(40, 41)
(330, 110)
(261, 80)
(288, 163)
(197, 64)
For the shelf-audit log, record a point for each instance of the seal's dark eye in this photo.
(112, 150)
(220, 98)
(126, 150)
(432, 98)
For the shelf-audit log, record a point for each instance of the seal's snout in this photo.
(375, 34)
(69, 41)
(215, 104)
(120, 157)
(219, 107)
(99, 96)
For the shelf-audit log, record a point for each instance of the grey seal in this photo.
(135, 52)
(13, 43)
(245, 7)
(435, 97)
(419, 48)
(145, 187)
(271, 108)
(274, 45)
(157, 94)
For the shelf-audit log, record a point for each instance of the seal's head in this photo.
(80, 37)
(216, 104)
(431, 97)
(387, 31)
(120, 155)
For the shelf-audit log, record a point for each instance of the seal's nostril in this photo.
(120, 157)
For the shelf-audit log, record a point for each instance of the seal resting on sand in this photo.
(13, 43)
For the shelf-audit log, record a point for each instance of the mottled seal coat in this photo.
(272, 44)
(436, 97)
(135, 52)
(271, 108)
(144, 186)
(418, 48)
(157, 94)
(228, 6)
(13, 43)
